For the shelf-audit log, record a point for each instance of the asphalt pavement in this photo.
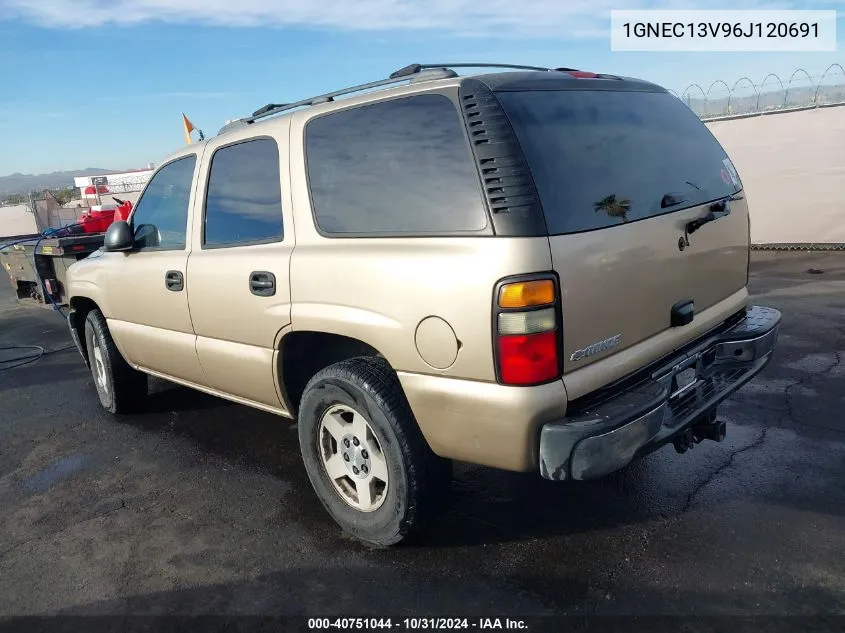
(201, 506)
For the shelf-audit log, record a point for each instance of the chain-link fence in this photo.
(746, 97)
(127, 183)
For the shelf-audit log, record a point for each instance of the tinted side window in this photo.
(395, 167)
(160, 219)
(603, 158)
(243, 203)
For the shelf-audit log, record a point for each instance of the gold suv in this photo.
(534, 270)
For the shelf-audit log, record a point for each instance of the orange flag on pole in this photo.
(189, 127)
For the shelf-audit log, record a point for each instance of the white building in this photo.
(116, 183)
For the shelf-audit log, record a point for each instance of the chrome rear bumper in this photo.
(607, 436)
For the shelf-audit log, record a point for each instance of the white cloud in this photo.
(505, 18)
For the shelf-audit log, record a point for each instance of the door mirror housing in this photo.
(147, 235)
(119, 237)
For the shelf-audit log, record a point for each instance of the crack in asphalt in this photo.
(122, 506)
(30, 541)
(12, 548)
(789, 414)
(722, 468)
(787, 391)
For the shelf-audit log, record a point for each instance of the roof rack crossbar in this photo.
(412, 69)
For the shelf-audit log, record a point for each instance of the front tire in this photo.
(365, 455)
(121, 388)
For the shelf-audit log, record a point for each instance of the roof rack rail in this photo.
(275, 108)
(408, 73)
(412, 69)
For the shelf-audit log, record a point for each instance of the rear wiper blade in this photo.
(672, 200)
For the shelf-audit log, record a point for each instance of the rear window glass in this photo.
(602, 158)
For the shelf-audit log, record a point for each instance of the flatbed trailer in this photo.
(38, 276)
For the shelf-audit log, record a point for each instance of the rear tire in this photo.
(365, 455)
(121, 388)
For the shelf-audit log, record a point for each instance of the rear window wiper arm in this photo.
(718, 209)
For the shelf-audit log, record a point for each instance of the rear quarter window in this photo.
(396, 167)
(604, 158)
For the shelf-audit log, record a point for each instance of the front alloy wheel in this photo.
(100, 376)
(121, 388)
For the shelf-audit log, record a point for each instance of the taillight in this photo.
(525, 294)
(527, 331)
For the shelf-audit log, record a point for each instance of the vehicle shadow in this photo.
(485, 506)
(166, 397)
(482, 506)
(238, 433)
(384, 591)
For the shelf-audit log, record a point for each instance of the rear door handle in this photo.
(262, 283)
(174, 280)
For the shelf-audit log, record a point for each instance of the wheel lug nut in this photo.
(346, 457)
(364, 469)
(354, 470)
(346, 443)
(355, 441)
(364, 454)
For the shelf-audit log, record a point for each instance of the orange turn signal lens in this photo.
(525, 294)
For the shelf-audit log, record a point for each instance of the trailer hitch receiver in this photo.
(697, 433)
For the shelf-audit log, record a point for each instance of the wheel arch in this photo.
(304, 353)
(80, 307)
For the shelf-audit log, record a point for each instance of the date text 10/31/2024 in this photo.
(416, 624)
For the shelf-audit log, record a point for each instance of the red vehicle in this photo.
(100, 216)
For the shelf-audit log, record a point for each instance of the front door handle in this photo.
(174, 280)
(262, 283)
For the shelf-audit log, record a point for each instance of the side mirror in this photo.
(147, 235)
(118, 237)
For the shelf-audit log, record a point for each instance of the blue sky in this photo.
(103, 82)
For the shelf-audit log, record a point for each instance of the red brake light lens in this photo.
(583, 74)
(526, 359)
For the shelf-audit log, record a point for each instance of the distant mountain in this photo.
(24, 183)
